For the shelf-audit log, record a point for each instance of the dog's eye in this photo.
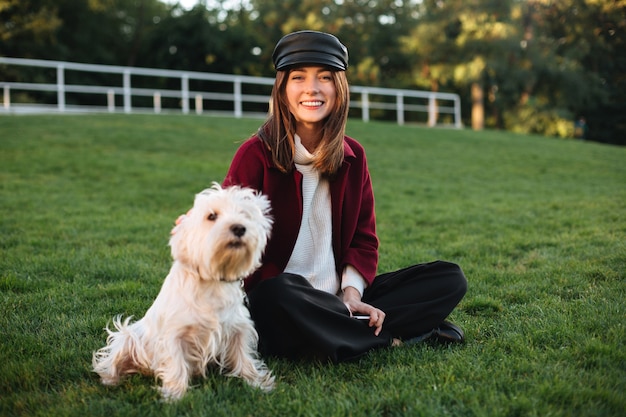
(212, 217)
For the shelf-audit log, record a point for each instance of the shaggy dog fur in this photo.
(199, 317)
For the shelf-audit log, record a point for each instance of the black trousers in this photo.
(296, 321)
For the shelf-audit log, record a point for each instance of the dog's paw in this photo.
(268, 385)
(171, 394)
(109, 379)
(265, 381)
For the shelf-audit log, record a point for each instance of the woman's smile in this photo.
(312, 103)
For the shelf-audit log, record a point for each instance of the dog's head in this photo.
(225, 233)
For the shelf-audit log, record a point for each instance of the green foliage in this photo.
(540, 63)
(94, 31)
(536, 223)
(562, 58)
(530, 119)
(551, 61)
(202, 40)
(26, 28)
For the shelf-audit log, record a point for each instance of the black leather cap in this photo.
(310, 47)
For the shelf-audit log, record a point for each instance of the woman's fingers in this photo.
(377, 317)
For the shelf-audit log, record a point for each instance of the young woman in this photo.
(317, 294)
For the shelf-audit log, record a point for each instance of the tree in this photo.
(526, 65)
(463, 46)
(95, 31)
(27, 27)
(210, 39)
(580, 46)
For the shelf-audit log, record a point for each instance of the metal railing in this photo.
(368, 99)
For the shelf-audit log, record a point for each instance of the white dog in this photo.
(199, 316)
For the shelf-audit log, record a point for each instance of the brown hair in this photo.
(280, 127)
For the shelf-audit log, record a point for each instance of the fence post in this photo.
(198, 104)
(432, 110)
(7, 97)
(157, 102)
(126, 87)
(184, 86)
(365, 106)
(61, 87)
(457, 113)
(400, 108)
(111, 101)
(238, 98)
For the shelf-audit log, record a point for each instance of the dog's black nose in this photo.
(238, 230)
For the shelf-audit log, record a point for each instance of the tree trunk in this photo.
(478, 107)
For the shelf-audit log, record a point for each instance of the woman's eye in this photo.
(212, 217)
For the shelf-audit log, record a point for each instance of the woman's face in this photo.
(311, 95)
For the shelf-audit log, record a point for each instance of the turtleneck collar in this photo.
(302, 156)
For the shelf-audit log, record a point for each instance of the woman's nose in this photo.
(312, 86)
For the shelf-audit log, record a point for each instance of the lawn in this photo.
(538, 225)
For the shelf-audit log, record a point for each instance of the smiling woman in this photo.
(320, 265)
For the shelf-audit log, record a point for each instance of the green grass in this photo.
(538, 225)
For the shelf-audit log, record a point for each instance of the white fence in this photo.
(370, 100)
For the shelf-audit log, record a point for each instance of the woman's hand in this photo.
(352, 300)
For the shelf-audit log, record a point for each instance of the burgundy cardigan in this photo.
(352, 199)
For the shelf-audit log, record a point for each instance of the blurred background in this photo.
(556, 68)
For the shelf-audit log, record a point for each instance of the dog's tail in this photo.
(123, 354)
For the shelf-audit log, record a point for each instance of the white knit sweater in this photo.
(312, 256)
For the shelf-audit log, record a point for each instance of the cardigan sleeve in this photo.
(352, 278)
(359, 242)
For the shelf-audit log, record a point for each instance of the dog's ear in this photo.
(179, 241)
